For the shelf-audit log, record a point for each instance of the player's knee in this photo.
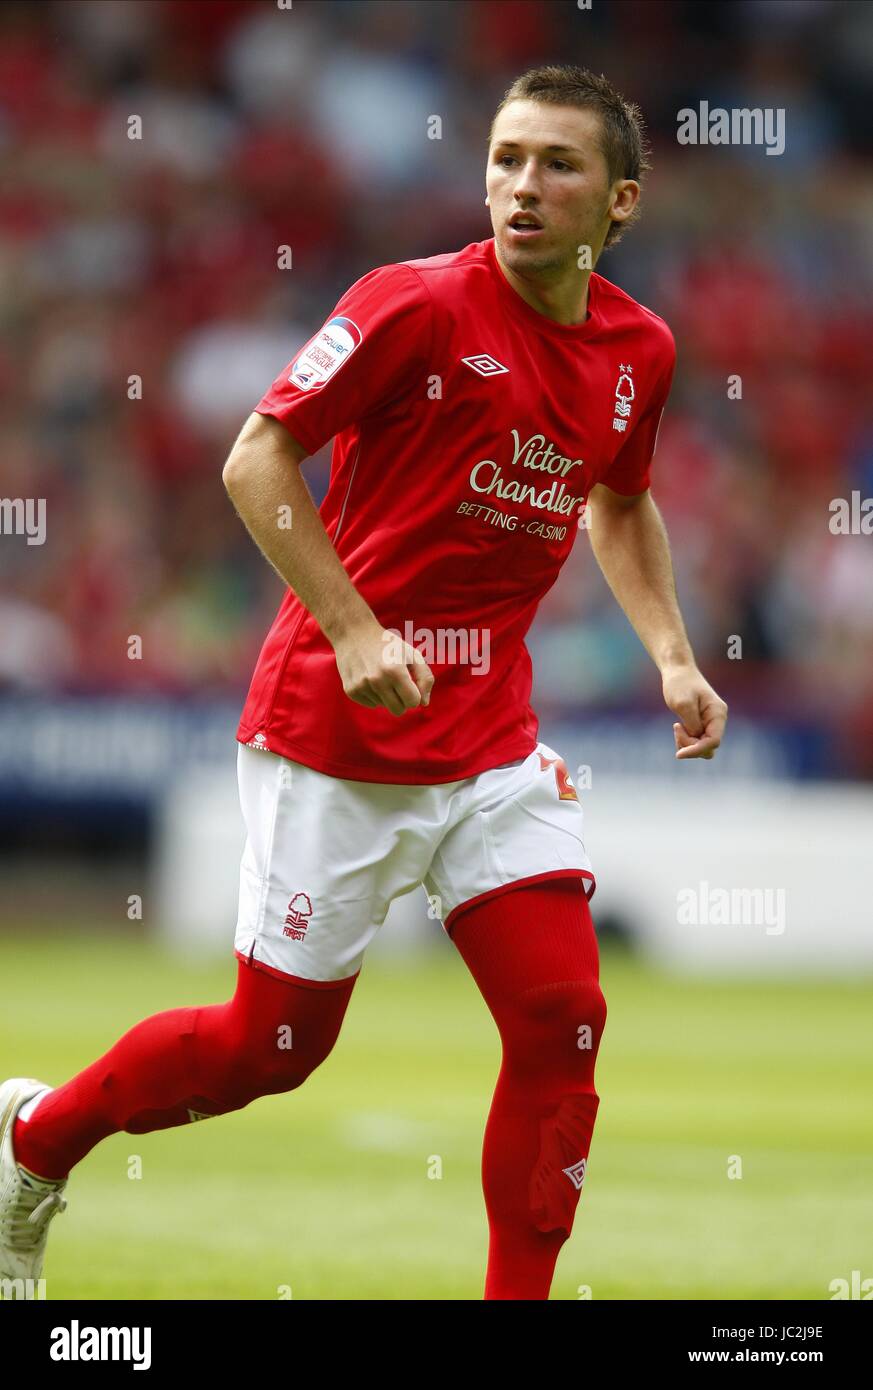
(285, 1070)
(244, 1072)
(565, 1013)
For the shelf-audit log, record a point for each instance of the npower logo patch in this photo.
(325, 353)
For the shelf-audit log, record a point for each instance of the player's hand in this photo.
(378, 668)
(702, 713)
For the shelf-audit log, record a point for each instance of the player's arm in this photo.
(630, 544)
(263, 479)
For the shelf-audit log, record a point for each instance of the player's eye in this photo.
(506, 159)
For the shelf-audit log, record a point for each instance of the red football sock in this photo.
(186, 1064)
(533, 953)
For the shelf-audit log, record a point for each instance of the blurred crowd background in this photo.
(306, 127)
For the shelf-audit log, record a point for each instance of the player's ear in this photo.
(626, 199)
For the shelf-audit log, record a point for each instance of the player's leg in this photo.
(323, 860)
(533, 953)
(294, 982)
(509, 878)
(186, 1064)
(305, 920)
(175, 1067)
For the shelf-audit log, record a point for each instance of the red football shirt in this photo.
(469, 429)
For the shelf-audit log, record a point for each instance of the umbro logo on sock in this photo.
(576, 1173)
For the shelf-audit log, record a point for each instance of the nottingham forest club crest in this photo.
(624, 397)
(297, 920)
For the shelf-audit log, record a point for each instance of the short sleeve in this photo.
(371, 351)
(631, 468)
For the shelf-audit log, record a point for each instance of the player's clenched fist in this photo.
(702, 713)
(378, 668)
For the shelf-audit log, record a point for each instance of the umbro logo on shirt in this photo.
(484, 365)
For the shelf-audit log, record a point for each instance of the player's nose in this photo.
(527, 182)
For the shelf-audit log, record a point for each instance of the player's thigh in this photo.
(525, 825)
(323, 859)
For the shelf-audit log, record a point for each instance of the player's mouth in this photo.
(525, 226)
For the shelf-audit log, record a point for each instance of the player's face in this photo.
(546, 160)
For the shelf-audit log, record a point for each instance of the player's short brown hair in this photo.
(623, 142)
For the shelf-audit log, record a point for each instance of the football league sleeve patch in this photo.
(369, 354)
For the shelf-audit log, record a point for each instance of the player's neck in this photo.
(565, 302)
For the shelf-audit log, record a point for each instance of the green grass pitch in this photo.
(325, 1191)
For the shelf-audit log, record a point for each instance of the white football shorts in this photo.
(325, 857)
